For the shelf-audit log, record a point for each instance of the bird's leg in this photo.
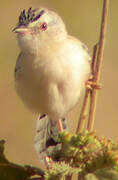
(91, 84)
(59, 124)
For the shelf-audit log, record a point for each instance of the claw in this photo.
(90, 84)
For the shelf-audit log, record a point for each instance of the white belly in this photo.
(51, 87)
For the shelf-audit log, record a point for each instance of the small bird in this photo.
(51, 70)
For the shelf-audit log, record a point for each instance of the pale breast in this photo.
(52, 83)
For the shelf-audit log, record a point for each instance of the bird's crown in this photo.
(30, 15)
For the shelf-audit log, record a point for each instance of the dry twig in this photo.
(99, 60)
(96, 67)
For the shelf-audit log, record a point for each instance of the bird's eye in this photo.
(44, 26)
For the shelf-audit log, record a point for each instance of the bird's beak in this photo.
(20, 29)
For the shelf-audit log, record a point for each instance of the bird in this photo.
(51, 71)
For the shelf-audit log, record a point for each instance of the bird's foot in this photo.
(91, 84)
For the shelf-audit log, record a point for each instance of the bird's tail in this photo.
(46, 138)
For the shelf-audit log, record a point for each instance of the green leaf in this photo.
(102, 174)
(3, 159)
(90, 176)
(106, 174)
(12, 171)
(60, 170)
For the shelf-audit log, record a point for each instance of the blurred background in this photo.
(82, 18)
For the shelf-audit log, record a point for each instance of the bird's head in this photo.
(37, 27)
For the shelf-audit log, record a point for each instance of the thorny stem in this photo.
(96, 67)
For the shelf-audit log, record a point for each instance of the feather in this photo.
(46, 138)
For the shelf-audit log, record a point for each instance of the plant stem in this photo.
(69, 177)
(93, 64)
(98, 65)
(95, 67)
(81, 122)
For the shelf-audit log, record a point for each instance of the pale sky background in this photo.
(82, 18)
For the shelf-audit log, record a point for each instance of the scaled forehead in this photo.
(31, 15)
